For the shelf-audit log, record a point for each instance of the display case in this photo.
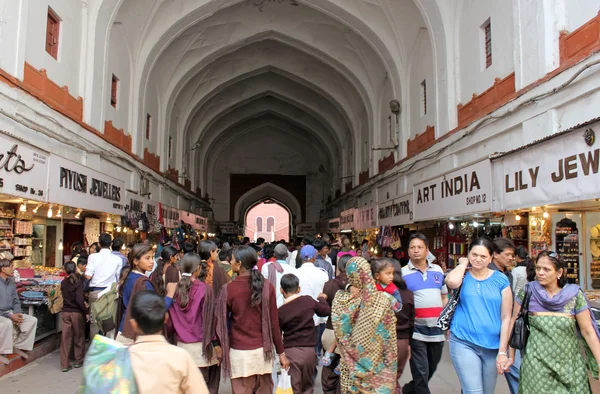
(567, 234)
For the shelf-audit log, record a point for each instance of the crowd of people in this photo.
(246, 311)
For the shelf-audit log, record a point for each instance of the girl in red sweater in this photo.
(247, 303)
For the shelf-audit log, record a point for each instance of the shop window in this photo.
(52, 33)
(487, 42)
(170, 147)
(424, 97)
(259, 224)
(113, 91)
(148, 120)
(270, 224)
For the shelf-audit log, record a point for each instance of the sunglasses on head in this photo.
(552, 254)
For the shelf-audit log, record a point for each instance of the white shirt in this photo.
(104, 268)
(292, 259)
(312, 280)
(287, 269)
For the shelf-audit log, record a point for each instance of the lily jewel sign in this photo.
(563, 169)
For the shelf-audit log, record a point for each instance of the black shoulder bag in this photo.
(520, 332)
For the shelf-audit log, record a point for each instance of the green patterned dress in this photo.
(552, 361)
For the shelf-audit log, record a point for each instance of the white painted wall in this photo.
(421, 69)
(579, 12)
(474, 77)
(65, 70)
(120, 65)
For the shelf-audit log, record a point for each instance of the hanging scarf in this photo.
(221, 315)
(366, 331)
(273, 268)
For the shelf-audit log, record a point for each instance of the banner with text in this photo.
(347, 219)
(23, 170)
(396, 212)
(169, 217)
(559, 170)
(78, 186)
(366, 217)
(334, 225)
(305, 229)
(228, 228)
(461, 192)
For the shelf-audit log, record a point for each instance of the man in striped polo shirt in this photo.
(426, 281)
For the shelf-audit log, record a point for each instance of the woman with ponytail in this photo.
(192, 319)
(216, 276)
(166, 269)
(74, 315)
(246, 303)
(141, 259)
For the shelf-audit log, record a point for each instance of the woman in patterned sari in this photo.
(558, 314)
(365, 329)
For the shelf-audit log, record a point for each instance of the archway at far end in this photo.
(268, 219)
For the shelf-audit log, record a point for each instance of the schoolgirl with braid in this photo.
(192, 319)
(249, 306)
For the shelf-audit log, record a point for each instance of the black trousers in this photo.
(424, 359)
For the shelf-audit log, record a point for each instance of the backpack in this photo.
(107, 368)
(104, 309)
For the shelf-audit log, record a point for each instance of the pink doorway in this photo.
(268, 220)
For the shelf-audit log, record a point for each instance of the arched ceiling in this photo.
(222, 71)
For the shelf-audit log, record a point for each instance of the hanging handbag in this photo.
(396, 243)
(520, 332)
(387, 237)
(448, 312)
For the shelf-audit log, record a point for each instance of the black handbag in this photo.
(448, 312)
(520, 332)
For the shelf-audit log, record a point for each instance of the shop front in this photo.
(553, 188)
(455, 208)
(23, 232)
(365, 228)
(84, 202)
(392, 217)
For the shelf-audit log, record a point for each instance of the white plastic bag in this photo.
(284, 386)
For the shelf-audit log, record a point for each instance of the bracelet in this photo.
(281, 354)
(502, 354)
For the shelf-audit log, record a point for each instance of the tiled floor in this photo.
(44, 377)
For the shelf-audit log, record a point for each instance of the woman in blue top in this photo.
(481, 321)
(141, 260)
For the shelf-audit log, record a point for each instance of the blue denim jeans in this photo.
(512, 376)
(474, 365)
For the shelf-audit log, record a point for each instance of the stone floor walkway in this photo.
(44, 377)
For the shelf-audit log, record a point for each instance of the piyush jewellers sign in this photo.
(559, 170)
(23, 170)
(76, 185)
(461, 192)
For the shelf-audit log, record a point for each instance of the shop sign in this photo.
(461, 192)
(201, 224)
(366, 217)
(347, 219)
(559, 170)
(334, 226)
(396, 212)
(23, 170)
(227, 227)
(170, 217)
(305, 229)
(77, 185)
